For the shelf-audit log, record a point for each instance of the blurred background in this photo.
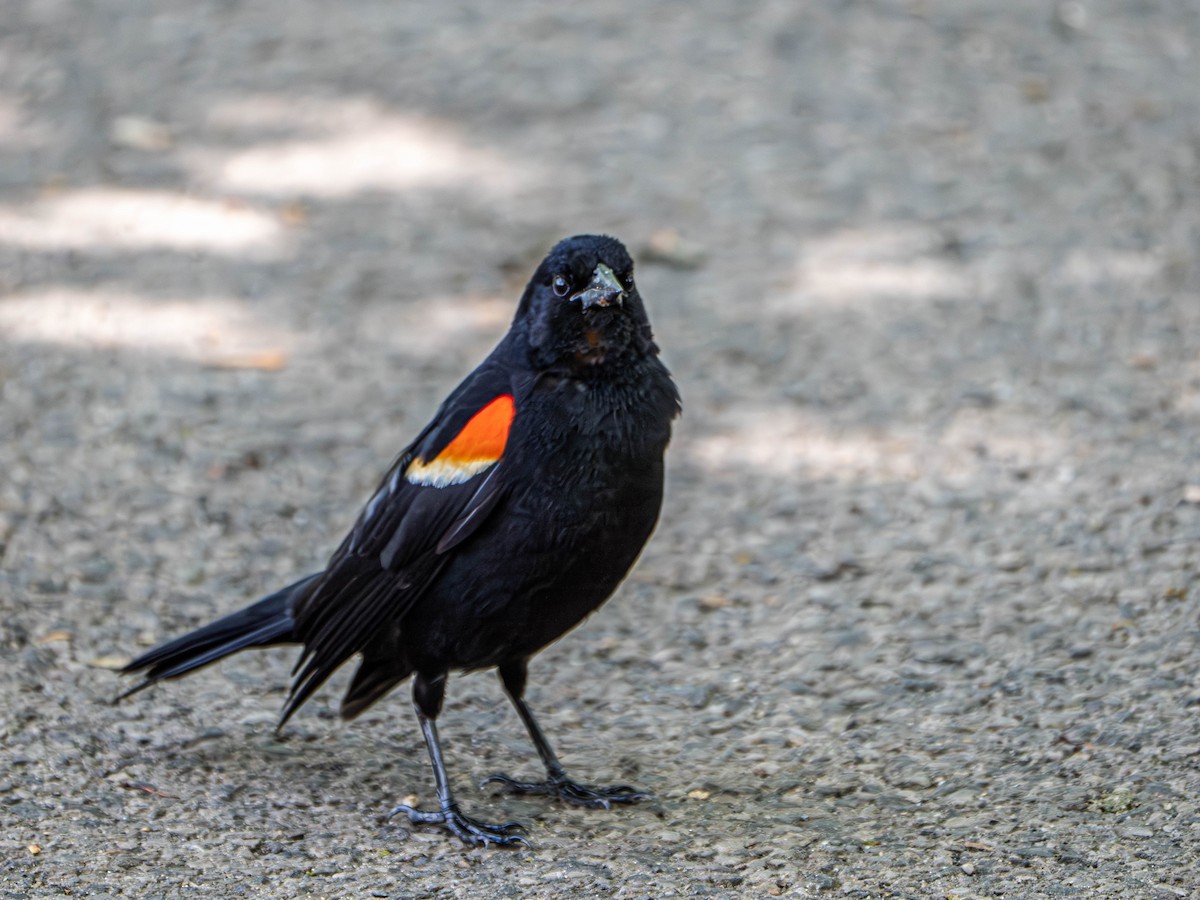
(920, 614)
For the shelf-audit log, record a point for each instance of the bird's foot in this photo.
(468, 830)
(572, 792)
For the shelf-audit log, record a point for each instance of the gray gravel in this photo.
(920, 619)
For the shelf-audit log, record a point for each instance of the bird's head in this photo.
(582, 309)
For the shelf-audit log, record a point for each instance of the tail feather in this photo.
(262, 624)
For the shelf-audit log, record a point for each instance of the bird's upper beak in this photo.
(603, 290)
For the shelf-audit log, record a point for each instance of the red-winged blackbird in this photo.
(513, 515)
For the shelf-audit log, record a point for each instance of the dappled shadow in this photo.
(930, 545)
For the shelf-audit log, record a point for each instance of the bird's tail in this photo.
(269, 621)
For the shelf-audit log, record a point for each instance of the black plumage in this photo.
(513, 515)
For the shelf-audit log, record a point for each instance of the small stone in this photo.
(277, 748)
(712, 603)
(1034, 852)
(138, 133)
(1118, 801)
(1071, 15)
(1011, 562)
(906, 774)
(112, 662)
(1035, 90)
(835, 786)
(667, 247)
(95, 570)
(51, 637)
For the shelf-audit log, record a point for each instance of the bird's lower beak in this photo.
(603, 290)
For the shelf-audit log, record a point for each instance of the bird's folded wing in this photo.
(437, 493)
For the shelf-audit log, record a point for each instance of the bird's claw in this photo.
(466, 829)
(572, 792)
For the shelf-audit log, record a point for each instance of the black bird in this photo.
(513, 515)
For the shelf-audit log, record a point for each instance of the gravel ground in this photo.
(919, 620)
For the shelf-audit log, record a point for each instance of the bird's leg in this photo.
(512, 675)
(427, 701)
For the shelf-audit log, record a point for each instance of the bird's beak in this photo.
(603, 290)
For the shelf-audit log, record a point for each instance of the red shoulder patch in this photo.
(480, 444)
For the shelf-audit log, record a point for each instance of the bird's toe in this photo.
(469, 831)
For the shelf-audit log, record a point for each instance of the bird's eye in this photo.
(560, 286)
(628, 280)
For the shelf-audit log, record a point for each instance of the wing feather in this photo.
(404, 534)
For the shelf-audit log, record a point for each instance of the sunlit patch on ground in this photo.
(790, 444)
(106, 218)
(339, 149)
(208, 329)
(855, 266)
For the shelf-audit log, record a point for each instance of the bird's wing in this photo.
(439, 490)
